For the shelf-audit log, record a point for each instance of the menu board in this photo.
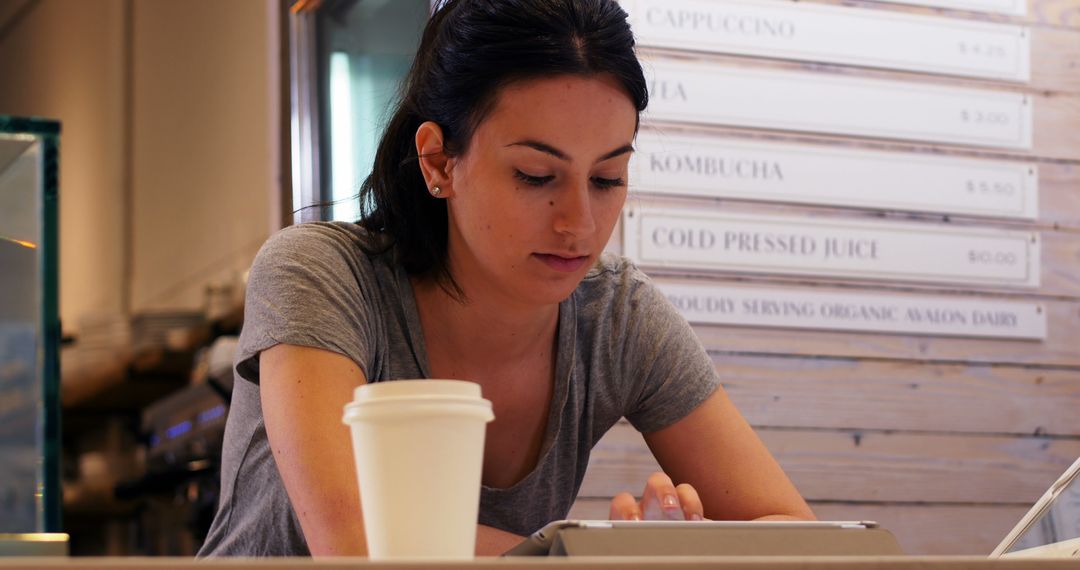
(835, 34)
(703, 240)
(681, 164)
(711, 94)
(798, 308)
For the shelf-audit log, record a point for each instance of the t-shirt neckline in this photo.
(565, 343)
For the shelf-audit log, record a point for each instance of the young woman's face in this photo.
(539, 190)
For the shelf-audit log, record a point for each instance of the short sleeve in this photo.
(671, 372)
(304, 289)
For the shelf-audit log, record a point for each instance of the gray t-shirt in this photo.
(623, 350)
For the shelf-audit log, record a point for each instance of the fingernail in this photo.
(653, 511)
(696, 517)
(670, 501)
(635, 517)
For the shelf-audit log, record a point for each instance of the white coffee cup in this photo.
(419, 450)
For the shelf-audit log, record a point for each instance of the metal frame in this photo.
(304, 128)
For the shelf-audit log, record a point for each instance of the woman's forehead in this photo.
(559, 89)
(570, 109)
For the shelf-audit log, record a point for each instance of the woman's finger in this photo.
(660, 501)
(624, 507)
(691, 502)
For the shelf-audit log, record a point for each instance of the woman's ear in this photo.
(434, 164)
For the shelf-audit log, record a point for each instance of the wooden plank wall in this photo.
(946, 441)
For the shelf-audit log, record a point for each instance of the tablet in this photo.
(1060, 530)
(705, 538)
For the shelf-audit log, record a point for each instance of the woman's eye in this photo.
(605, 183)
(532, 180)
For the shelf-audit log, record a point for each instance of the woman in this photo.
(495, 188)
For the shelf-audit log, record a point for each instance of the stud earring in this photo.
(435, 191)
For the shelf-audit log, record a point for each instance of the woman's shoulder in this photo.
(611, 273)
(616, 291)
(329, 243)
(316, 284)
(345, 235)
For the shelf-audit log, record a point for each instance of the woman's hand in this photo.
(662, 500)
(715, 450)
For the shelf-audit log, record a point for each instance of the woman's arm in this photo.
(715, 450)
(304, 391)
(491, 541)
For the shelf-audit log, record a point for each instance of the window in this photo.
(347, 60)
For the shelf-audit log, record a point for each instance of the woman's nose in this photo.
(573, 211)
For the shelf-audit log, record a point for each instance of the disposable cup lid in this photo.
(409, 388)
(415, 410)
(418, 398)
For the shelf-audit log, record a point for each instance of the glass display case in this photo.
(29, 327)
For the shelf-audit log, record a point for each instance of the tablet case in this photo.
(725, 542)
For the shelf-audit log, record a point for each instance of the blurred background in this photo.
(189, 131)
(175, 161)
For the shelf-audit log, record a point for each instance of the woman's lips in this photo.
(560, 263)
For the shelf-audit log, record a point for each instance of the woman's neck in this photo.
(484, 332)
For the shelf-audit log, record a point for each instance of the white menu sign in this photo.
(835, 34)
(692, 239)
(698, 165)
(708, 93)
(1011, 7)
(793, 308)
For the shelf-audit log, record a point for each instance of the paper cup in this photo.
(419, 450)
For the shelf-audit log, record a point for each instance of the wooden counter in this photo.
(599, 563)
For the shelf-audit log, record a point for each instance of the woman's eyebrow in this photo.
(542, 147)
(548, 149)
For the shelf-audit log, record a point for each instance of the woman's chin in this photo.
(551, 291)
